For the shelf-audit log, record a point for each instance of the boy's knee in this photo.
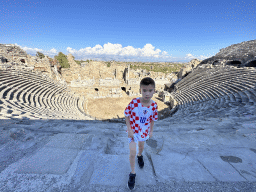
(133, 152)
(141, 144)
(132, 148)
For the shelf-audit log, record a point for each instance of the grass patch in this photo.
(169, 68)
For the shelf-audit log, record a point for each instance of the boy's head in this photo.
(147, 88)
(147, 81)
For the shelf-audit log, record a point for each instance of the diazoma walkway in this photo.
(207, 145)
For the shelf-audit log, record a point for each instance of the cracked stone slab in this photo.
(56, 156)
(49, 161)
(117, 146)
(65, 140)
(114, 170)
(155, 144)
(247, 166)
(220, 169)
(181, 167)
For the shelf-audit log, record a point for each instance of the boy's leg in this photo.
(132, 147)
(141, 147)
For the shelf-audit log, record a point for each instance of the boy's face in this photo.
(147, 91)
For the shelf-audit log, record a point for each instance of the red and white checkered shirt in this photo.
(141, 117)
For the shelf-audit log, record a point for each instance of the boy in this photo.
(140, 115)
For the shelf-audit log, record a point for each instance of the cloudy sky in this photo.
(127, 30)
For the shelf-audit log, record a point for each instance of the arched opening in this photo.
(22, 60)
(234, 63)
(4, 60)
(251, 64)
(123, 88)
(215, 62)
(185, 75)
(96, 89)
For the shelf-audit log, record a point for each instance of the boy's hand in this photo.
(150, 134)
(130, 134)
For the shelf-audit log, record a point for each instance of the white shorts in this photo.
(136, 138)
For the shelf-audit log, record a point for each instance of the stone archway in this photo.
(4, 60)
(22, 61)
(234, 63)
(251, 64)
(215, 62)
(123, 88)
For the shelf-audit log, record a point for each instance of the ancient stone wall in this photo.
(100, 79)
(12, 54)
(237, 55)
(93, 79)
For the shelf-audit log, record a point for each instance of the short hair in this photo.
(147, 81)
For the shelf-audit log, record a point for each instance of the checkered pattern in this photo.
(141, 129)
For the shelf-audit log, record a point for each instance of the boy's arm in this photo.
(151, 126)
(127, 120)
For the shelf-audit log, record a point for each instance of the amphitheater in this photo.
(206, 143)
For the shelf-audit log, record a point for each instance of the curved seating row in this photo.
(33, 95)
(217, 87)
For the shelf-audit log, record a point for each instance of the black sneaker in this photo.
(131, 181)
(140, 161)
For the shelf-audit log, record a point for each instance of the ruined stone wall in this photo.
(101, 92)
(95, 79)
(92, 70)
(12, 54)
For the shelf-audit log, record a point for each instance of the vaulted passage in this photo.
(216, 62)
(4, 60)
(251, 64)
(123, 88)
(235, 63)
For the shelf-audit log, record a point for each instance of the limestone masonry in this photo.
(92, 79)
(48, 143)
(227, 75)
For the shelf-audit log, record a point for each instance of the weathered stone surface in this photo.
(240, 54)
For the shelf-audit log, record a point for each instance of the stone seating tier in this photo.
(248, 78)
(223, 87)
(228, 71)
(224, 78)
(33, 95)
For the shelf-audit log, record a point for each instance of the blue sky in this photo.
(127, 30)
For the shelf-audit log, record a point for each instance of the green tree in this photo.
(40, 55)
(108, 64)
(78, 62)
(62, 58)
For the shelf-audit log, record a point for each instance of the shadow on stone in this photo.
(231, 159)
(156, 144)
(253, 150)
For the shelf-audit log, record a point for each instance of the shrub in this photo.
(62, 58)
(108, 64)
(78, 62)
(40, 55)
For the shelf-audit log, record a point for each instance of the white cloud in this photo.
(189, 56)
(33, 51)
(116, 52)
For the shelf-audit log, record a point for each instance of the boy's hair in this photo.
(147, 81)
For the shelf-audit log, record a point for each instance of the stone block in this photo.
(48, 160)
